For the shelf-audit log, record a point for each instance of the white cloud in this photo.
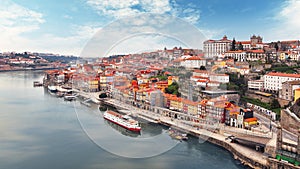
(17, 21)
(14, 21)
(115, 8)
(125, 8)
(67, 17)
(287, 19)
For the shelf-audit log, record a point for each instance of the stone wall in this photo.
(289, 121)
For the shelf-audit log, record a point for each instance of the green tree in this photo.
(276, 47)
(275, 104)
(241, 47)
(202, 67)
(102, 95)
(233, 43)
(173, 89)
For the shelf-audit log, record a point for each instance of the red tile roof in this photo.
(283, 74)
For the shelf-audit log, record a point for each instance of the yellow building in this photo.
(282, 56)
(171, 79)
(176, 103)
(93, 84)
(297, 94)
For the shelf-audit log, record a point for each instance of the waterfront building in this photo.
(273, 81)
(175, 103)
(214, 110)
(190, 107)
(106, 82)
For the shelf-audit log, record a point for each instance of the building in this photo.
(231, 95)
(193, 62)
(297, 94)
(221, 78)
(273, 81)
(238, 55)
(256, 55)
(256, 84)
(288, 90)
(255, 40)
(214, 48)
(213, 110)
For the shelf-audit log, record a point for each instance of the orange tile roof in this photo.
(200, 77)
(244, 42)
(236, 51)
(283, 74)
(256, 51)
(195, 58)
(200, 71)
(250, 119)
(189, 102)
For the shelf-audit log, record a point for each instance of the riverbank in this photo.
(247, 156)
(32, 69)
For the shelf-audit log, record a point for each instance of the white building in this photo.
(256, 84)
(238, 55)
(193, 62)
(214, 48)
(273, 81)
(255, 55)
(221, 78)
(202, 73)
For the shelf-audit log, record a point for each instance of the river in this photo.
(40, 131)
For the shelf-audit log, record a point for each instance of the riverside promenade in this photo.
(246, 155)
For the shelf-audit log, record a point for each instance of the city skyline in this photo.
(66, 27)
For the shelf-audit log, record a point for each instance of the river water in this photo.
(40, 131)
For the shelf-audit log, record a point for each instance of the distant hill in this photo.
(62, 59)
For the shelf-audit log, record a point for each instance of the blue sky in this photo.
(66, 26)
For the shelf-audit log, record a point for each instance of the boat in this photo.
(69, 97)
(52, 89)
(176, 134)
(122, 120)
(37, 84)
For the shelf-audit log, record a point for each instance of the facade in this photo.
(221, 78)
(256, 84)
(214, 48)
(156, 98)
(255, 55)
(238, 55)
(297, 94)
(273, 81)
(214, 110)
(193, 62)
(288, 90)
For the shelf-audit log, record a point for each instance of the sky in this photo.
(68, 26)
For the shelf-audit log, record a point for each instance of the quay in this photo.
(247, 156)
